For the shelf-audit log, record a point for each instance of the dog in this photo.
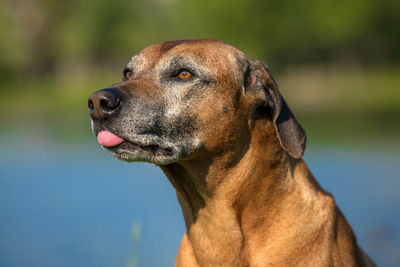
(216, 124)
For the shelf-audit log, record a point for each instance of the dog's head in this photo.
(185, 98)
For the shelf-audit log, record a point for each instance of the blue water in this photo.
(77, 206)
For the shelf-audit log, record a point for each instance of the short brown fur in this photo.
(247, 197)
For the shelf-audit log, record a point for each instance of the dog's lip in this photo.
(153, 148)
(146, 141)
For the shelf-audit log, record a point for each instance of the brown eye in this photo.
(184, 74)
(127, 74)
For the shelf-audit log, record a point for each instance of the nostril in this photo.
(109, 104)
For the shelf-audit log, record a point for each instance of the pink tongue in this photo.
(105, 138)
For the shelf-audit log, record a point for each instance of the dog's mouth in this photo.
(156, 150)
(145, 148)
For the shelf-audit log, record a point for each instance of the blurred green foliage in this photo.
(54, 53)
(44, 35)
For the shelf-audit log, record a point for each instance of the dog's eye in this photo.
(127, 74)
(184, 74)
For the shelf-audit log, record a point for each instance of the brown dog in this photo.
(216, 124)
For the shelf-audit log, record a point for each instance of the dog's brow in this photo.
(182, 62)
(131, 62)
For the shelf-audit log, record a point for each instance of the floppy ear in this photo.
(291, 135)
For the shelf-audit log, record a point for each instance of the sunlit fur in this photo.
(232, 149)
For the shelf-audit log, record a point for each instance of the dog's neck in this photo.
(224, 197)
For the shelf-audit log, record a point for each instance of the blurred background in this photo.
(65, 202)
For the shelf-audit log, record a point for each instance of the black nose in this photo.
(104, 102)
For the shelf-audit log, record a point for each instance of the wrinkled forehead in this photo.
(217, 55)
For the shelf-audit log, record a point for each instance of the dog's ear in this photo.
(262, 85)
